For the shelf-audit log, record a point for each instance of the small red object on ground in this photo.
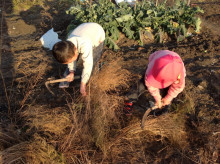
(128, 108)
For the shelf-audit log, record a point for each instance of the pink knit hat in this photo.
(165, 71)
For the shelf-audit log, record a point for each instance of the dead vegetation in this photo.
(106, 107)
(9, 136)
(75, 128)
(93, 130)
(41, 119)
(26, 66)
(36, 151)
(112, 76)
(164, 138)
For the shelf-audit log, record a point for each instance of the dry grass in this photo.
(163, 137)
(26, 66)
(104, 108)
(153, 144)
(90, 130)
(64, 130)
(9, 135)
(104, 122)
(28, 73)
(49, 121)
(170, 127)
(173, 125)
(112, 76)
(36, 152)
(47, 133)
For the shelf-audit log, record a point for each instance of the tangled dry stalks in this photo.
(25, 66)
(105, 107)
(9, 136)
(48, 121)
(35, 151)
(89, 128)
(111, 77)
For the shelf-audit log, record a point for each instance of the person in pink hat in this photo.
(165, 70)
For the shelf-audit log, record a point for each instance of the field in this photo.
(38, 127)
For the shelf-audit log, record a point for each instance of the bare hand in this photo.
(159, 104)
(166, 102)
(83, 89)
(70, 77)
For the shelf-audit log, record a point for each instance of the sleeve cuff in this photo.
(168, 98)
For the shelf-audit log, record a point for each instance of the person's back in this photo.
(92, 31)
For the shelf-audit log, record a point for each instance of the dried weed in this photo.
(36, 152)
(111, 77)
(48, 121)
(104, 103)
(26, 66)
(9, 135)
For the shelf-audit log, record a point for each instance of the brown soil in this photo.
(20, 35)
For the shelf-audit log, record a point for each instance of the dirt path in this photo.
(22, 57)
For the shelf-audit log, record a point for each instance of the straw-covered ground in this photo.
(37, 127)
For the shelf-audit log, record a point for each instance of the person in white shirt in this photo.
(88, 40)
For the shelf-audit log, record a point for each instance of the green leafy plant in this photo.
(135, 21)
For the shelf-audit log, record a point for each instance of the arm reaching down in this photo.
(173, 91)
(155, 92)
(87, 57)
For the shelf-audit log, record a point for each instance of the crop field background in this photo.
(38, 127)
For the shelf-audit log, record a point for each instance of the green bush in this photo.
(132, 20)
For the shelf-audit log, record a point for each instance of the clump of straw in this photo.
(36, 151)
(41, 119)
(112, 76)
(104, 103)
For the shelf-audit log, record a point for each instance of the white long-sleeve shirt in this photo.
(85, 37)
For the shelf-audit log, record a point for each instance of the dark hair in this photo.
(63, 51)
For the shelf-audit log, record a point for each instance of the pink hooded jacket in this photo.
(174, 88)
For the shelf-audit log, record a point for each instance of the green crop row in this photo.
(145, 17)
